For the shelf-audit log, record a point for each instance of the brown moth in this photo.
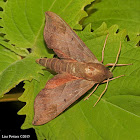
(78, 70)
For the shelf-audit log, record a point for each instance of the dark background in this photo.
(10, 122)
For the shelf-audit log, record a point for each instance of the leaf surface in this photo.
(6, 58)
(124, 13)
(24, 69)
(23, 21)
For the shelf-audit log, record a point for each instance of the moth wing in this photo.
(64, 41)
(59, 93)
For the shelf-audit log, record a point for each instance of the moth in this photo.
(78, 70)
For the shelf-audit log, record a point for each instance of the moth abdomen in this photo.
(59, 65)
(46, 62)
(51, 63)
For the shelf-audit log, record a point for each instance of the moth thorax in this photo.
(97, 72)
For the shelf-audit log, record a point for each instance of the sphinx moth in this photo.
(78, 70)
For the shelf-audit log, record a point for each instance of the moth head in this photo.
(97, 72)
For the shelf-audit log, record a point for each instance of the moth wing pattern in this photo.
(59, 93)
(64, 41)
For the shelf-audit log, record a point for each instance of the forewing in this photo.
(64, 41)
(59, 93)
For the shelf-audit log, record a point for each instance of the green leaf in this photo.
(23, 21)
(117, 112)
(24, 69)
(124, 13)
(17, 50)
(6, 58)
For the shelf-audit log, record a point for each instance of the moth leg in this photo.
(105, 81)
(104, 48)
(91, 92)
(102, 93)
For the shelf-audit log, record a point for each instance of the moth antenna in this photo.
(92, 92)
(115, 64)
(102, 93)
(116, 58)
(112, 64)
(104, 48)
(112, 79)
